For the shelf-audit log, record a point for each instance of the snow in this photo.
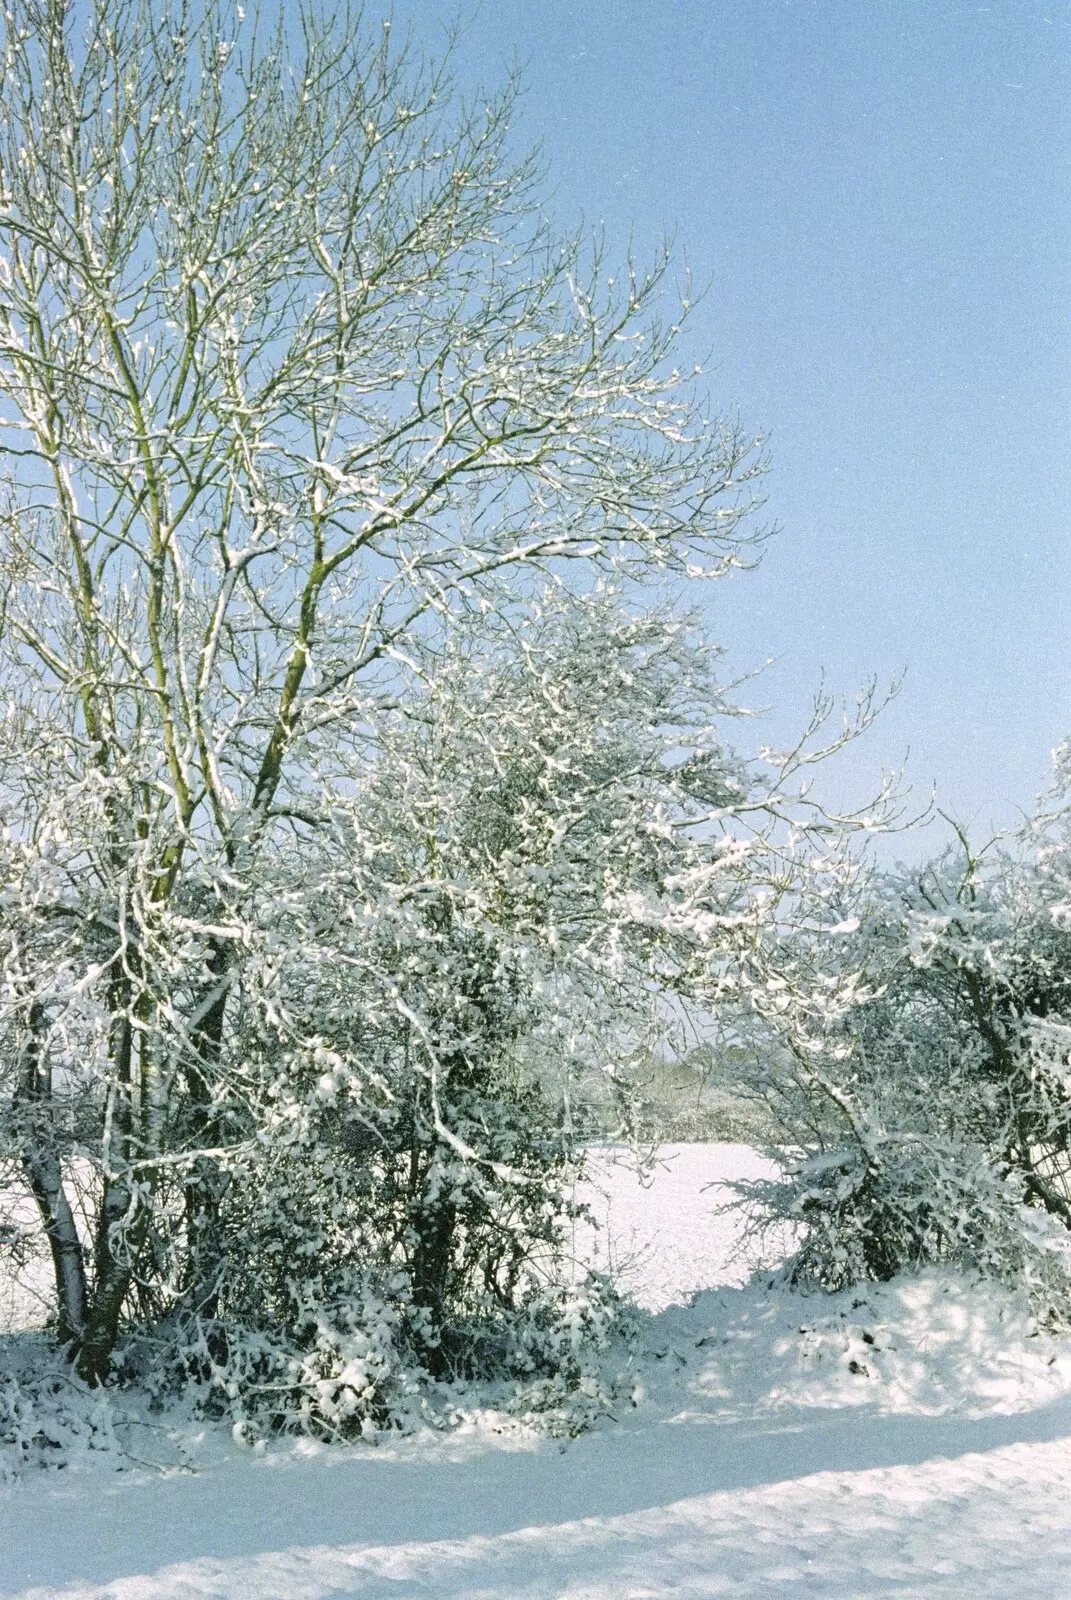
(662, 1236)
(909, 1439)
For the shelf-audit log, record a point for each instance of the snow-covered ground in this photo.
(909, 1440)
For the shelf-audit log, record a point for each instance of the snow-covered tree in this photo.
(352, 791)
(294, 376)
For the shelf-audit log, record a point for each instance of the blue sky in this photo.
(879, 195)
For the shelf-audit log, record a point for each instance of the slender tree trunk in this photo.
(117, 1239)
(68, 1264)
(44, 1174)
(207, 1184)
(433, 1220)
(121, 1221)
(435, 1224)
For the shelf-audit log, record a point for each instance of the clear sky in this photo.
(879, 194)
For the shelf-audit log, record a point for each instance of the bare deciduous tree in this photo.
(292, 373)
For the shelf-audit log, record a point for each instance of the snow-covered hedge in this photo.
(919, 1064)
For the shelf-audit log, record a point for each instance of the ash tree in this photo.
(310, 423)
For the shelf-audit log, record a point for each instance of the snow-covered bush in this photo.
(926, 1114)
(438, 972)
(48, 1418)
(557, 1357)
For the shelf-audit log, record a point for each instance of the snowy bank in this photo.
(908, 1438)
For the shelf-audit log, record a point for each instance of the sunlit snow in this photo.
(908, 1439)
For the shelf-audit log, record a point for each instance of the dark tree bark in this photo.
(115, 1237)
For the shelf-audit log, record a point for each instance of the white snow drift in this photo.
(909, 1438)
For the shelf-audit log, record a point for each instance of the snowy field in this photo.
(911, 1440)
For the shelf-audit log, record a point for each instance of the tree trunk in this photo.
(121, 1220)
(68, 1264)
(207, 1183)
(111, 1280)
(44, 1174)
(433, 1218)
